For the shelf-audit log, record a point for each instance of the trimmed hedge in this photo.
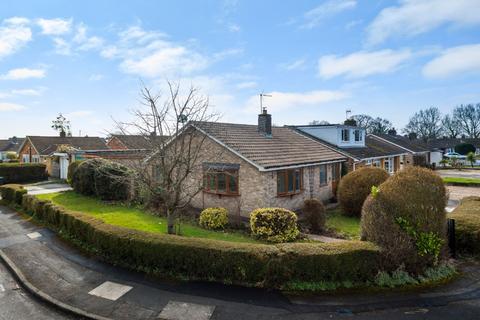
(214, 218)
(72, 167)
(12, 193)
(212, 260)
(274, 224)
(23, 172)
(355, 187)
(467, 225)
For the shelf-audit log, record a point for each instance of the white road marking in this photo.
(2, 288)
(177, 310)
(34, 235)
(110, 290)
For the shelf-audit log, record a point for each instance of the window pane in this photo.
(280, 182)
(323, 174)
(211, 177)
(297, 180)
(232, 184)
(290, 180)
(222, 183)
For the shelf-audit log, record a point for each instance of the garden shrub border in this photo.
(270, 266)
(23, 172)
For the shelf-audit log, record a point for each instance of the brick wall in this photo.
(27, 149)
(116, 144)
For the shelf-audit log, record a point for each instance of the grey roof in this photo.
(285, 147)
(414, 145)
(46, 145)
(374, 148)
(11, 144)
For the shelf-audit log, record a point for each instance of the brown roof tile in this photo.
(140, 141)
(48, 145)
(286, 147)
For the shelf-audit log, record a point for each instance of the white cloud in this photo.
(23, 73)
(14, 34)
(454, 61)
(96, 77)
(55, 26)
(234, 28)
(150, 54)
(247, 85)
(289, 100)
(295, 65)
(362, 63)
(85, 42)
(62, 47)
(7, 106)
(315, 16)
(228, 53)
(413, 17)
(28, 92)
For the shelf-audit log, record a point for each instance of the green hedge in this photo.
(467, 225)
(23, 172)
(213, 260)
(12, 193)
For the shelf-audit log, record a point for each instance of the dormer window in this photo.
(345, 135)
(358, 135)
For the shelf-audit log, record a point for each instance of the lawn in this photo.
(348, 227)
(461, 180)
(135, 218)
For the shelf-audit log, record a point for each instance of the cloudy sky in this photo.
(87, 59)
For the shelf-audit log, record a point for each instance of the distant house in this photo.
(134, 142)
(446, 145)
(360, 149)
(57, 151)
(262, 166)
(419, 152)
(11, 145)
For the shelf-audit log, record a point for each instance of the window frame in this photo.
(360, 135)
(285, 174)
(345, 135)
(325, 168)
(229, 174)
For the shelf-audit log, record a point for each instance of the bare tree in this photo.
(451, 126)
(468, 117)
(426, 124)
(175, 147)
(373, 125)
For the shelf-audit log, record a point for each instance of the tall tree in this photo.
(426, 124)
(373, 125)
(468, 116)
(62, 125)
(451, 126)
(176, 147)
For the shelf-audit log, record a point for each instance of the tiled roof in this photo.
(139, 141)
(285, 147)
(374, 147)
(12, 144)
(48, 145)
(415, 145)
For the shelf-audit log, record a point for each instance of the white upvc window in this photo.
(358, 135)
(388, 164)
(25, 158)
(35, 158)
(345, 135)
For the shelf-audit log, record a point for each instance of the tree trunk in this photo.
(170, 222)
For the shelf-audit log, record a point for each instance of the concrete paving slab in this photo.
(34, 235)
(110, 290)
(177, 310)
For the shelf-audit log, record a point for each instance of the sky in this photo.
(89, 59)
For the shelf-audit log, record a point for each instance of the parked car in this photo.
(455, 155)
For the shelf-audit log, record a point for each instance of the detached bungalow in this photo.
(360, 149)
(419, 153)
(263, 166)
(57, 152)
(133, 142)
(10, 145)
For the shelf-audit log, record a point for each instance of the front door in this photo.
(63, 168)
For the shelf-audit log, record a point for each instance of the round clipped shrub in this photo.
(314, 215)
(274, 224)
(406, 217)
(83, 178)
(112, 181)
(214, 218)
(355, 187)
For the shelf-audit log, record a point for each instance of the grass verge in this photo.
(135, 218)
(461, 181)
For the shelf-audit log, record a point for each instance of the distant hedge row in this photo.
(23, 172)
(213, 260)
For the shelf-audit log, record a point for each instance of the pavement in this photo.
(464, 173)
(47, 187)
(58, 274)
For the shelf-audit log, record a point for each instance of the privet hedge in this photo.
(213, 260)
(102, 178)
(467, 225)
(12, 193)
(23, 172)
(355, 187)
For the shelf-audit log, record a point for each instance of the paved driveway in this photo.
(41, 188)
(465, 173)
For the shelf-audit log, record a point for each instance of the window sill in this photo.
(222, 194)
(285, 195)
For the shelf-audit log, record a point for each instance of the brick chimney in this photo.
(265, 123)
